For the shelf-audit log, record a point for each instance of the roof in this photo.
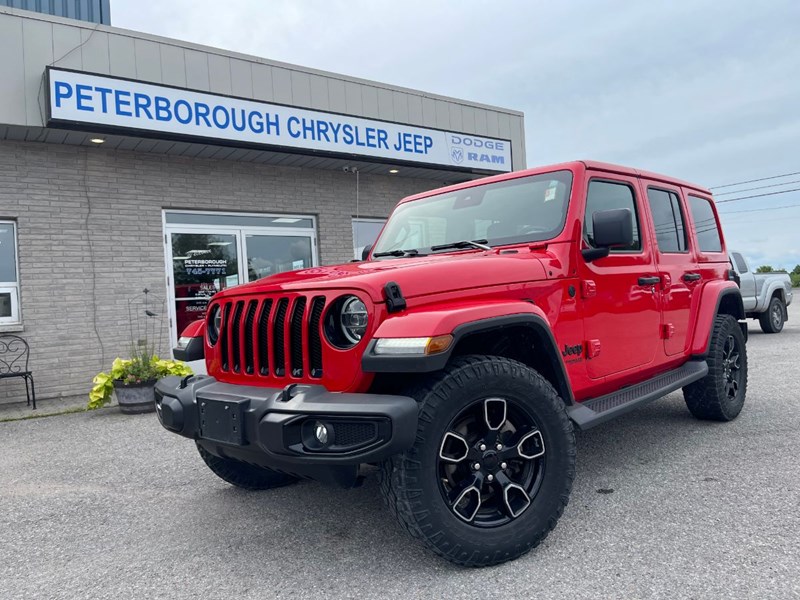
(572, 165)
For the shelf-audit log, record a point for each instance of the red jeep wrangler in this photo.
(489, 320)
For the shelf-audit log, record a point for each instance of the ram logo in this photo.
(457, 154)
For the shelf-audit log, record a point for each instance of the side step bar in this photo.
(594, 411)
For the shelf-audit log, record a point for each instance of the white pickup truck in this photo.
(765, 295)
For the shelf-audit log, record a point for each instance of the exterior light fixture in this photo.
(97, 140)
(393, 171)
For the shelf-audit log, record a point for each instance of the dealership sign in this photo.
(77, 98)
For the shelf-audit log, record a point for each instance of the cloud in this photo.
(703, 90)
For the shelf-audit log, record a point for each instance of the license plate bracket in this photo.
(222, 420)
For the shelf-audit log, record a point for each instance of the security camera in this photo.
(349, 169)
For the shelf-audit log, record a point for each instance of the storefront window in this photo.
(9, 282)
(365, 231)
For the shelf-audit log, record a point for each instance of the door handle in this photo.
(646, 281)
(691, 276)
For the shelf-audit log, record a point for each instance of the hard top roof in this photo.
(573, 165)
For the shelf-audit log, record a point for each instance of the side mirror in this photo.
(365, 252)
(611, 229)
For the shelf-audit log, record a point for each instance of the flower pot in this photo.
(135, 398)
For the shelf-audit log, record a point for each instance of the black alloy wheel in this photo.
(732, 369)
(491, 462)
(492, 466)
(720, 395)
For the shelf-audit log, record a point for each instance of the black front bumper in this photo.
(277, 428)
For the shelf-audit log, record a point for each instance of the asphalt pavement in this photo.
(102, 505)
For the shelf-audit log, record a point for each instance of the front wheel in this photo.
(719, 396)
(492, 466)
(772, 320)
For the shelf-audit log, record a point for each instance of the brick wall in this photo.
(90, 235)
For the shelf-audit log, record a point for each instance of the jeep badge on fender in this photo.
(452, 358)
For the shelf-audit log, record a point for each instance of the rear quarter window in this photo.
(705, 225)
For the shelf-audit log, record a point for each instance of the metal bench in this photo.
(14, 354)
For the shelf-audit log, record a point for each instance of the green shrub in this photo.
(139, 369)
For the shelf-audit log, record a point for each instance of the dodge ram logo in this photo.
(457, 154)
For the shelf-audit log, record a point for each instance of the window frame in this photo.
(717, 224)
(636, 213)
(682, 214)
(12, 287)
(354, 220)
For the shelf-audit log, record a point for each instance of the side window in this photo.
(705, 225)
(741, 264)
(604, 195)
(667, 220)
(365, 231)
(9, 281)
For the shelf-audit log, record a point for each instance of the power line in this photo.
(758, 196)
(733, 212)
(716, 187)
(760, 187)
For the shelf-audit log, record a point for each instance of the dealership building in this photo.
(132, 162)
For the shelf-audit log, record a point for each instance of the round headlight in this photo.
(213, 324)
(354, 319)
(345, 322)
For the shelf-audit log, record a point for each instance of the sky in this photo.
(706, 91)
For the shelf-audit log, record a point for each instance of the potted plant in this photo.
(133, 380)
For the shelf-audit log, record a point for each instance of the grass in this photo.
(40, 415)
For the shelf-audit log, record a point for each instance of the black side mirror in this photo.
(611, 229)
(365, 252)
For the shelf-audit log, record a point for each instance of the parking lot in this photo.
(101, 505)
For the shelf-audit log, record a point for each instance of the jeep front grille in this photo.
(272, 336)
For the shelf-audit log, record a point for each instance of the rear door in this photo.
(620, 291)
(676, 263)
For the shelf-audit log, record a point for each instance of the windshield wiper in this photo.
(409, 252)
(463, 244)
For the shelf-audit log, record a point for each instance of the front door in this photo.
(620, 291)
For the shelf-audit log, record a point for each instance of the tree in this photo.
(765, 269)
(796, 270)
(795, 279)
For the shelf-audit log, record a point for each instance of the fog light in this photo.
(321, 433)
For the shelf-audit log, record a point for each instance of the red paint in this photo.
(642, 329)
(194, 329)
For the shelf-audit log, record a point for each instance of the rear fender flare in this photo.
(713, 296)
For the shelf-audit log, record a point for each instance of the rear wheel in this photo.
(492, 466)
(242, 475)
(772, 320)
(720, 395)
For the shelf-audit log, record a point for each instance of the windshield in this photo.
(527, 209)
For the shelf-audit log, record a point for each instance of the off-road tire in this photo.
(242, 475)
(708, 397)
(772, 320)
(409, 484)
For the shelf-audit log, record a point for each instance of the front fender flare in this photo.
(460, 322)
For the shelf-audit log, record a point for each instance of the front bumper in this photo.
(277, 428)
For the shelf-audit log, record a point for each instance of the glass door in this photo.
(202, 264)
(268, 254)
(209, 252)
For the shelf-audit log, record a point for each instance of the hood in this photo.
(419, 276)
